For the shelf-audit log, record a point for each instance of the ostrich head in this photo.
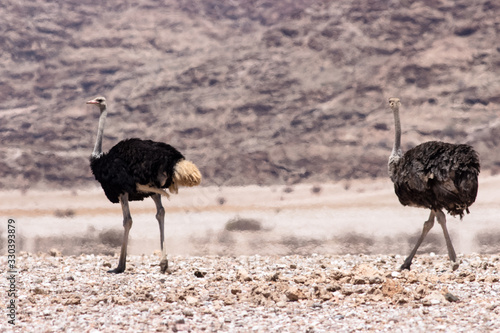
(99, 101)
(394, 103)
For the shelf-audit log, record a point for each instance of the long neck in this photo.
(396, 154)
(396, 150)
(100, 131)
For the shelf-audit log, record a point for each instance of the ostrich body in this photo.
(434, 175)
(135, 169)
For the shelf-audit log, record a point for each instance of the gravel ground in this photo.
(314, 293)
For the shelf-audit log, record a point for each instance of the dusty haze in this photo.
(281, 96)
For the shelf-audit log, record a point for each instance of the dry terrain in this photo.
(302, 258)
(283, 106)
(254, 92)
(317, 293)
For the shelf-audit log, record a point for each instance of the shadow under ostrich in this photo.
(434, 175)
(135, 169)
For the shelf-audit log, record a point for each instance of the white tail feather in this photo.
(185, 174)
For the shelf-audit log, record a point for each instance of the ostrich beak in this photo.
(93, 102)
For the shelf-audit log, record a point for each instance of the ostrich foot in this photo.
(405, 266)
(117, 270)
(163, 265)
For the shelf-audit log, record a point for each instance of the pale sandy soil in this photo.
(355, 217)
(302, 272)
(315, 293)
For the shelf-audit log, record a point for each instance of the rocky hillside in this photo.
(254, 91)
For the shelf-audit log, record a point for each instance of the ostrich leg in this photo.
(127, 224)
(427, 226)
(442, 221)
(160, 216)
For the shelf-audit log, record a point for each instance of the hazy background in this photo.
(269, 93)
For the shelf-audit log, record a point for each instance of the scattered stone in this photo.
(200, 274)
(235, 291)
(433, 298)
(55, 252)
(187, 313)
(39, 291)
(183, 302)
(391, 287)
(243, 275)
(300, 279)
(229, 301)
(450, 297)
(72, 300)
(294, 294)
(191, 300)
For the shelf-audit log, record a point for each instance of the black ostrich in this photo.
(135, 169)
(434, 175)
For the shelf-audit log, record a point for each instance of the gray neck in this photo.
(100, 131)
(396, 150)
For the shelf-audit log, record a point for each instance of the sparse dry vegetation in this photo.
(243, 224)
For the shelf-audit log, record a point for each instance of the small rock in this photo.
(294, 294)
(281, 304)
(55, 252)
(235, 291)
(400, 299)
(300, 279)
(188, 312)
(229, 301)
(200, 274)
(450, 297)
(73, 300)
(391, 287)
(275, 277)
(333, 287)
(39, 291)
(317, 306)
(191, 300)
(171, 297)
(375, 280)
(491, 279)
(433, 298)
(243, 275)
(337, 275)
(358, 280)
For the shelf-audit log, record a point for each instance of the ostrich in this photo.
(434, 175)
(135, 169)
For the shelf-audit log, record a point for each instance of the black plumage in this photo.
(434, 175)
(134, 161)
(135, 169)
(438, 175)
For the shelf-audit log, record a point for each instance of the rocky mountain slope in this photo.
(254, 92)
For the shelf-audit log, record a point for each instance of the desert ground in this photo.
(305, 258)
